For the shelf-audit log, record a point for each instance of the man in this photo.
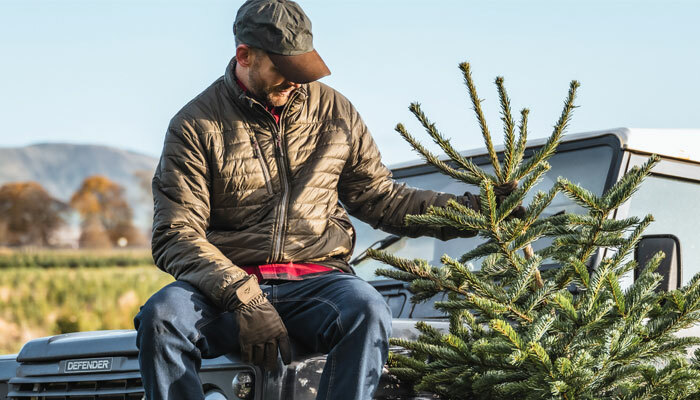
(247, 196)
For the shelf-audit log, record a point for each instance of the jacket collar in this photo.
(239, 96)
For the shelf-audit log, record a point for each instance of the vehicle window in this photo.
(588, 167)
(671, 202)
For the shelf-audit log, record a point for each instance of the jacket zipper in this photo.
(283, 167)
(278, 231)
(257, 153)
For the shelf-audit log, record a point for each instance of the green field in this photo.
(40, 301)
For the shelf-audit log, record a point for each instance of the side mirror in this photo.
(670, 267)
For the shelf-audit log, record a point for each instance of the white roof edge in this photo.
(677, 143)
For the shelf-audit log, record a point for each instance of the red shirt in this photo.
(282, 271)
(287, 271)
(275, 111)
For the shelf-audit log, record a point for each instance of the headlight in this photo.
(243, 385)
(214, 395)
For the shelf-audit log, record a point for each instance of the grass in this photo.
(38, 301)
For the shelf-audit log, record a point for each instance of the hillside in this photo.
(61, 168)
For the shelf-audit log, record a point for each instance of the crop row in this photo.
(37, 302)
(74, 258)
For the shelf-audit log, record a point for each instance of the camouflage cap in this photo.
(282, 29)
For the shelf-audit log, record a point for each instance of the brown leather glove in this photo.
(261, 330)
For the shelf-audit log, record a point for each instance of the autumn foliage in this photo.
(106, 215)
(28, 214)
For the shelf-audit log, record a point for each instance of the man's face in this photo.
(267, 83)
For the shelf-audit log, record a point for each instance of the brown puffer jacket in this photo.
(233, 188)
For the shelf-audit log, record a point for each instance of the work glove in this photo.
(261, 330)
(472, 201)
(501, 191)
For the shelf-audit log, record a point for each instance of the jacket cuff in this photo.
(245, 292)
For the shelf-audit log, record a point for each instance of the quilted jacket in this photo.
(234, 188)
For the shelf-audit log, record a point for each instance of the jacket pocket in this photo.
(257, 153)
(347, 229)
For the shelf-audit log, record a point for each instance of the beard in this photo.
(275, 95)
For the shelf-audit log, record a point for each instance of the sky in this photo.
(114, 72)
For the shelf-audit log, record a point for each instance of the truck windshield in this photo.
(586, 166)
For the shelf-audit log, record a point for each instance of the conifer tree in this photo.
(518, 332)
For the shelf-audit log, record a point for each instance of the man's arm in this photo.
(367, 189)
(181, 216)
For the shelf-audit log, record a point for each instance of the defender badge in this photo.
(86, 365)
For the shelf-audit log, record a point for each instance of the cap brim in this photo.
(303, 68)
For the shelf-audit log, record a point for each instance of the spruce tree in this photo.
(518, 332)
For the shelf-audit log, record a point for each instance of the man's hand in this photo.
(501, 191)
(261, 330)
(504, 190)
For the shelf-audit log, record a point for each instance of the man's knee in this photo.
(368, 307)
(166, 312)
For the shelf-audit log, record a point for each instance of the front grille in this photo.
(119, 386)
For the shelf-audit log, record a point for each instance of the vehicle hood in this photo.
(80, 345)
(123, 343)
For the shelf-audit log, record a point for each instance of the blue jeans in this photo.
(336, 313)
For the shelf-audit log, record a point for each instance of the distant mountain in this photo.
(61, 168)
